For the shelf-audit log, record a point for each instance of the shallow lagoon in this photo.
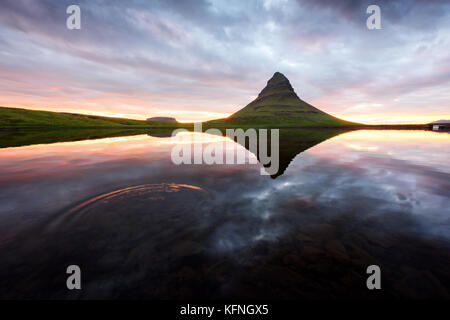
(141, 227)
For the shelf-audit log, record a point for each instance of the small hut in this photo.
(440, 125)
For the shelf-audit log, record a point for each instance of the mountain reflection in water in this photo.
(142, 227)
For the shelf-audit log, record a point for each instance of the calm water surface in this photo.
(142, 227)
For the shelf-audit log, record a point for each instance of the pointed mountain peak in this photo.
(277, 105)
(277, 84)
(278, 76)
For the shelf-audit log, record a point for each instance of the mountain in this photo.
(278, 105)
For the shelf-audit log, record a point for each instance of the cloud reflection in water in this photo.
(309, 233)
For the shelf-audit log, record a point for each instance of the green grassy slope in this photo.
(23, 118)
(278, 105)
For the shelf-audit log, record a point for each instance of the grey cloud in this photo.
(210, 50)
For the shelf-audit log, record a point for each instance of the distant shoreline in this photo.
(24, 119)
(189, 125)
(368, 126)
(85, 127)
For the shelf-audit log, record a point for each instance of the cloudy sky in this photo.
(204, 59)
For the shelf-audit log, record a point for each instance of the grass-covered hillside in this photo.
(278, 105)
(23, 118)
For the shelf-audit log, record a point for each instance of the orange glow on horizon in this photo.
(124, 110)
(182, 116)
(394, 118)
